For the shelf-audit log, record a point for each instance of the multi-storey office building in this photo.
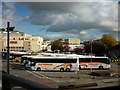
(21, 42)
(72, 41)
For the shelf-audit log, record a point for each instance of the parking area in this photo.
(82, 77)
(96, 79)
(79, 79)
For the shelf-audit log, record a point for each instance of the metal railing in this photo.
(10, 81)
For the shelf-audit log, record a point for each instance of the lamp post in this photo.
(8, 39)
(91, 57)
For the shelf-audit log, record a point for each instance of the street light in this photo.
(8, 51)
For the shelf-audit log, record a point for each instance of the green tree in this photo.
(95, 47)
(78, 50)
(57, 45)
(108, 41)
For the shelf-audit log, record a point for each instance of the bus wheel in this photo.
(61, 69)
(17, 61)
(100, 67)
(80, 68)
(67, 69)
(38, 69)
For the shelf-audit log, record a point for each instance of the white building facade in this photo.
(46, 45)
(73, 43)
(21, 42)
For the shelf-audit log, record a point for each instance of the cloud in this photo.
(73, 19)
(88, 36)
(67, 16)
(83, 35)
(8, 11)
(56, 0)
(53, 36)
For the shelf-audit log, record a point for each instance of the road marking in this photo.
(33, 74)
(45, 76)
(0, 86)
(39, 75)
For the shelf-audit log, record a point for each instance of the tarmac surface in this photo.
(82, 79)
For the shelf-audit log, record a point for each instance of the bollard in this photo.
(62, 76)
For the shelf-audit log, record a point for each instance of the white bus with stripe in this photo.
(54, 63)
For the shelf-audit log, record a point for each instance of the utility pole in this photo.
(8, 45)
(8, 51)
(91, 56)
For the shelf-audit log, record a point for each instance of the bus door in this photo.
(23, 61)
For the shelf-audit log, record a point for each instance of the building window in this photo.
(26, 38)
(22, 38)
(13, 38)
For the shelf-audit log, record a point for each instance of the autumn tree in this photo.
(57, 45)
(108, 41)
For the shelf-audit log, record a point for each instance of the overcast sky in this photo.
(59, 20)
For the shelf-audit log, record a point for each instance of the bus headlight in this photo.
(32, 68)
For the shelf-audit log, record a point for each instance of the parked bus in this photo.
(25, 59)
(85, 61)
(15, 56)
(91, 61)
(54, 63)
(94, 62)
